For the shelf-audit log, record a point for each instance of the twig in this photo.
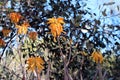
(72, 58)
(48, 71)
(19, 53)
(69, 56)
(95, 75)
(82, 61)
(64, 59)
(38, 74)
(61, 53)
(100, 71)
(104, 74)
(7, 46)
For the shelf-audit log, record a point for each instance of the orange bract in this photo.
(22, 29)
(15, 17)
(56, 26)
(35, 63)
(25, 24)
(2, 43)
(33, 35)
(6, 32)
(97, 57)
(56, 20)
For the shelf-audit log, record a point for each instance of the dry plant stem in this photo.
(72, 58)
(104, 74)
(48, 71)
(20, 57)
(38, 74)
(94, 78)
(23, 72)
(100, 71)
(64, 59)
(65, 71)
(7, 46)
(82, 61)
(69, 56)
(81, 77)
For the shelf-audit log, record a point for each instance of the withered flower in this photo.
(33, 35)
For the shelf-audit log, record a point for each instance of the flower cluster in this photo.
(56, 26)
(15, 17)
(6, 32)
(97, 57)
(22, 29)
(35, 63)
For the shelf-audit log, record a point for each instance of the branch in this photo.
(95, 75)
(69, 55)
(104, 74)
(81, 62)
(99, 68)
(7, 46)
(48, 71)
(20, 58)
(66, 74)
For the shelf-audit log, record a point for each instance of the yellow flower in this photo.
(97, 57)
(55, 25)
(15, 17)
(6, 32)
(22, 29)
(35, 63)
(2, 43)
(33, 35)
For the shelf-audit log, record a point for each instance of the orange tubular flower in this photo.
(15, 17)
(97, 57)
(2, 43)
(56, 26)
(33, 35)
(35, 63)
(6, 32)
(22, 29)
